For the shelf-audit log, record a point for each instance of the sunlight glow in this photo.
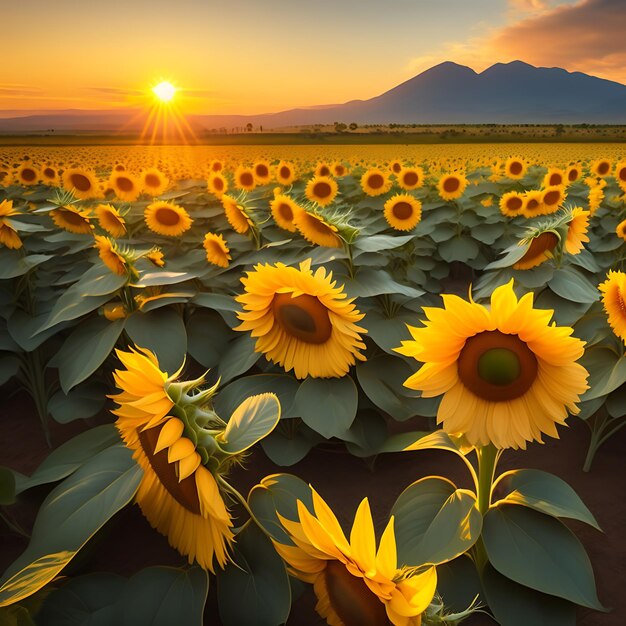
(164, 91)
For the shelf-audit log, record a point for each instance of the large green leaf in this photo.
(380, 243)
(85, 350)
(207, 337)
(82, 402)
(13, 263)
(255, 418)
(538, 551)
(544, 492)
(374, 282)
(435, 522)
(69, 516)
(572, 285)
(458, 583)
(255, 589)
(240, 356)
(607, 371)
(327, 405)
(287, 445)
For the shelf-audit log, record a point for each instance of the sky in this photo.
(248, 56)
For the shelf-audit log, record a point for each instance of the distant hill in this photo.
(505, 93)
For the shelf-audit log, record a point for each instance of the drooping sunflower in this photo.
(554, 176)
(301, 320)
(154, 182)
(614, 302)
(533, 203)
(410, 178)
(8, 232)
(552, 198)
(601, 167)
(511, 203)
(83, 183)
(72, 219)
(321, 189)
(111, 220)
(236, 215)
(451, 186)
(217, 184)
(167, 218)
(178, 495)
(110, 256)
(507, 375)
(217, 251)
(27, 174)
(577, 231)
(620, 230)
(285, 173)
(403, 211)
(375, 182)
(244, 178)
(262, 172)
(284, 210)
(125, 186)
(315, 229)
(539, 248)
(353, 581)
(515, 167)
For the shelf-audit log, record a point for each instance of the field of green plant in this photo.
(191, 307)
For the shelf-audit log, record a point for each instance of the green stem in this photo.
(487, 461)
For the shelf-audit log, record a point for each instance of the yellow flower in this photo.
(554, 176)
(515, 168)
(49, 175)
(315, 229)
(321, 189)
(81, 182)
(396, 166)
(354, 582)
(540, 248)
(601, 167)
(614, 301)
(577, 231)
(338, 169)
(596, 196)
(155, 256)
(125, 186)
(110, 256)
(72, 219)
(573, 173)
(620, 174)
(217, 184)
(178, 495)
(403, 211)
(154, 182)
(217, 251)
(322, 169)
(244, 178)
(451, 186)
(111, 220)
(301, 320)
(236, 215)
(284, 210)
(375, 182)
(506, 374)
(533, 204)
(620, 231)
(285, 173)
(167, 218)
(410, 178)
(552, 198)
(262, 172)
(511, 203)
(27, 174)
(8, 232)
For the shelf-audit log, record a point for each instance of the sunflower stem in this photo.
(487, 461)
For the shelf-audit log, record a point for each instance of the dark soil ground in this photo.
(128, 544)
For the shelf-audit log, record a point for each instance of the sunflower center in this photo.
(411, 178)
(324, 170)
(152, 180)
(185, 491)
(546, 242)
(603, 168)
(572, 175)
(514, 203)
(28, 174)
(81, 182)
(532, 204)
(303, 317)
(125, 184)
(261, 170)
(376, 181)
(451, 184)
(402, 210)
(396, 167)
(73, 218)
(322, 190)
(218, 183)
(351, 598)
(49, 172)
(167, 217)
(496, 366)
(285, 211)
(552, 197)
(339, 170)
(247, 179)
(516, 168)
(285, 172)
(556, 179)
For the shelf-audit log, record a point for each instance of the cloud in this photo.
(115, 91)
(11, 91)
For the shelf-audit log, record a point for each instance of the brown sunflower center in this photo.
(261, 170)
(375, 181)
(167, 216)
(246, 179)
(603, 168)
(514, 203)
(572, 175)
(218, 183)
(496, 366)
(119, 168)
(555, 179)
(546, 242)
(515, 168)
(81, 182)
(411, 178)
(351, 598)
(451, 184)
(285, 211)
(621, 174)
(48, 172)
(74, 219)
(532, 204)
(185, 491)
(28, 174)
(324, 170)
(125, 184)
(396, 167)
(322, 190)
(303, 317)
(552, 197)
(340, 170)
(402, 210)
(152, 180)
(285, 172)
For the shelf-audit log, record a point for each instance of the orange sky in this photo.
(250, 57)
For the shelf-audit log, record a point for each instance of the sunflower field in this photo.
(174, 316)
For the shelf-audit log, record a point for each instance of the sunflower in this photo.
(167, 218)
(216, 165)
(354, 583)
(506, 373)
(396, 166)
(552, 198)
(72, 219)
(321, 189)
(620, 231)
(375, 182)
(515, 167)
(573, 173)
(315, 229)
(533, 204)
(338, 169)
(83, 183)
(244, 178)
(540, 248)
(614, 301)
(601, 168)
(262, 173)
(111, 220)
(285, 173)
(620, 174)
(595, 198)
(411, 178)
(554, 176)
(301, 320)
(322, 169)
(153, 182)
(451, 186)
(27, 174)
(511, 203)
(284, 210)
(155, 256)
(8, 232)
(110, 255)
(403, 211)
(236, 215)
(178, 495)
(217, 251)
(577, 231)
(49, 175)
(125, 186)
(217, 184)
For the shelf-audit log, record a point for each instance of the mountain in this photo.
(505, 93)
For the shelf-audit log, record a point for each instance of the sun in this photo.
(164, 91)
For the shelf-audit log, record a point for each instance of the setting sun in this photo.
(164, 91)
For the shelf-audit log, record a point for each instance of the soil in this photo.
(127, 543)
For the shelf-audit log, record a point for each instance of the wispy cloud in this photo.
(12, 91)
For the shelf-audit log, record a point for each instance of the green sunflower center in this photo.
(497, 367)
(303, 317)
